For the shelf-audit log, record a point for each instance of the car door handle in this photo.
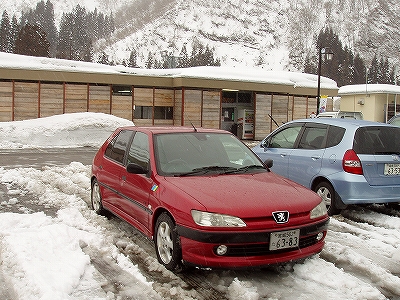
(123, 178)
(283, 154)
(315, 157)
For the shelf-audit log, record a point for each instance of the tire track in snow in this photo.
(365, 244)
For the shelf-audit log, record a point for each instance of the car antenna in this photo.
(195, 129)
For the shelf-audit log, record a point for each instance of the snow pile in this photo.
(73, 253)
(67, 130)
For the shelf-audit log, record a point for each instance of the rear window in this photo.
(377, 140)
(117, 147)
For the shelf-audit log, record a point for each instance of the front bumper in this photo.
(247, 249)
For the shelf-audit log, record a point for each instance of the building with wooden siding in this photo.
(211, 97)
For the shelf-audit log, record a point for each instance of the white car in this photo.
(342, 115)
(395, 120)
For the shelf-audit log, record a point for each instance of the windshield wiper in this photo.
(245, 169)
(205, 170)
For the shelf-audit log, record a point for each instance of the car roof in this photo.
(172, 129)
(340, 122)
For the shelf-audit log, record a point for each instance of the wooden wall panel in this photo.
(51, 99)
(99, 98)
(262, 120)
(311, 105)
(280, 108)
(192, 108)
(178, 108)
(6, 101)
(163, 122)
(75, 98)
(26, 99)
(163, 97)
(143, 122)
(121, 106)
(143, 96)
(300, 109)
(211, 109)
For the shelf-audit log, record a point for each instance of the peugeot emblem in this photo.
(395, 157)
(281, 217)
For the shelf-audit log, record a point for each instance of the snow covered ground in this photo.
(53, 246)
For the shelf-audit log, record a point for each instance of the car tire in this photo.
(95, 198)
(167, 243)
(326, 191)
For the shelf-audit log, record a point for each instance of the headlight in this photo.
(318, 211)
(216, 220)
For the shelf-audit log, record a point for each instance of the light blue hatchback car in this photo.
(345, 161)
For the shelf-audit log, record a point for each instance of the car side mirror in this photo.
(265, 145)
(269, 163)
(136, 169)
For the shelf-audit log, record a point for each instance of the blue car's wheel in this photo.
(327, 193)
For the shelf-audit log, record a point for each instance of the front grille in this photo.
(263, 248)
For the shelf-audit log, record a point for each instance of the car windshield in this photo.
(197, 153)
(377, 140)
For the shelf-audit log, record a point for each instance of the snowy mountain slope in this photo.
(275, 35)
(16, 7)
(272, 34)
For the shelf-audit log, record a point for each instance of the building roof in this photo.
(369, 89)
(20, 67)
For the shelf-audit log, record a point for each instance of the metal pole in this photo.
(319, 79)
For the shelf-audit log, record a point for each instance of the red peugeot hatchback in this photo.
(205, 199)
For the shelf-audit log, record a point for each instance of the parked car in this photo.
(395, 120)
(205, 198)
(345, 161)
(341, 114)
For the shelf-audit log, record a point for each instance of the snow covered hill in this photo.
(275, 35)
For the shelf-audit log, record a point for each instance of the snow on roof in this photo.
(369, 89)
(247, 74)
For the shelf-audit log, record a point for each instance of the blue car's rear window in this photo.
(377, 140)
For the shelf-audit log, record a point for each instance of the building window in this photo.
(143, 112)
(237, 97)
(122, 90)
(163, 112)
(160, 112)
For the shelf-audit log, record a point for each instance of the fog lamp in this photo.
(222, 249)
(320, 236)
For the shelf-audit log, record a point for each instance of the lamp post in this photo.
(328, 55)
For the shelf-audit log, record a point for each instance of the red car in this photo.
(205, 199)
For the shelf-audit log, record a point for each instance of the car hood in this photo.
(244, 194)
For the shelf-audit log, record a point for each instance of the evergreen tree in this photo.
(32, 41)
(64, 45)
(150, 61)
(373, 70)
(359, 70)
(50, 28)
(347, 68)
(104, 59)
(43, 17)
(74, 40)
(133, 59)
(184, 60)
(14, 31)
(384, 71)
(310, 64)
(5, 34)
